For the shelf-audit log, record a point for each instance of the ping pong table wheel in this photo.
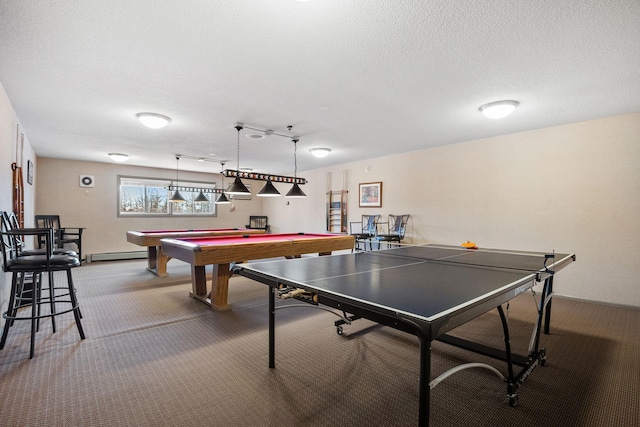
(339, 330)
(513, 400)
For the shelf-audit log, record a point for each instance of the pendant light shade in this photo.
(222, 200)
(296, 192)
(177, 197)
(201, 198)
(269, 190)
(237, 187)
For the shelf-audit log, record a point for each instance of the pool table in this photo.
(222, 251)
(157, 260)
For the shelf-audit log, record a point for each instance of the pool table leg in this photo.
(219, 286)
(162, 263)
(157, 261)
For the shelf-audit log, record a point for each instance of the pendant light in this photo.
(222, 200)
(201, 198)
(296, 191)
(177, 197)
(269, 190)
(238, 187)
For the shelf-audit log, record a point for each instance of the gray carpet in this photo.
(155, 357)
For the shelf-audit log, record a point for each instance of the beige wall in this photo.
(572, 188)
(96, 208)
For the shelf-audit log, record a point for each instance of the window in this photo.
(150, 197)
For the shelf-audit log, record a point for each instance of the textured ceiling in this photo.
(396, 75)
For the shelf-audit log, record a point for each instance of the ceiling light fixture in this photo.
(269, 189)
(320, 152)
(153, 120)
(263, 132)
(118, 157)
(255, 135)
(498, 109)
(177, 197)
(238, 187)
(222, 200)
(296, 191)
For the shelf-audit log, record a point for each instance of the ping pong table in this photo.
(426, 290)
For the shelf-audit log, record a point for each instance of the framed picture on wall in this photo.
(370, 195)
(30, 172)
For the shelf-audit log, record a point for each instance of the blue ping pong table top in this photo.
(426, 281)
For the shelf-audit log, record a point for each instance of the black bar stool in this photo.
(31, 267)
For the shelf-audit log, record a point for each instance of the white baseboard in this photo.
(116, 256)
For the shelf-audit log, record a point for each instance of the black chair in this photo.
(10, 222)
(396, 228)
(31, 268)
(63, 235)
(260, 222)
(364, 231)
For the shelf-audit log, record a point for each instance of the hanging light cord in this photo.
(177, 161)
(295, 158)
(239, 128)
(222, 174)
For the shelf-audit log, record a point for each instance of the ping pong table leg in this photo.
(425, 378)
(547, 316)
(272, 327)
(512, 385)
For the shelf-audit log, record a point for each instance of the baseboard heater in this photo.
(116, 256)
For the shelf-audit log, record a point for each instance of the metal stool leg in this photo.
(35, 316)
(52, 301)
(74, 303)
(10, 309)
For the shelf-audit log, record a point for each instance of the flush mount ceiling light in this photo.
(498, 109)
(118, 157)
(320, 152)
(153, 120)
(259, 135)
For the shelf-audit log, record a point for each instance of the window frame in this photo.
(151, 182)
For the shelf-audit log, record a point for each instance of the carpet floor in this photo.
(155, 357)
